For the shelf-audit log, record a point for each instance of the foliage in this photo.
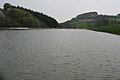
(17, 13)
(31, 22)
(93, 21)
(18, 17)
(49, 21)
(102, 22)
(80, 25)
(22, 17)
(6, 6)
(102, 25)
(88, 15)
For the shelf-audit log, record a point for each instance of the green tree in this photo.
(49, 21)
(6, 6)
(17, 13)
(31, 22)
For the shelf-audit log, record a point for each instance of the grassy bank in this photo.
(108, 29)
(114, 29)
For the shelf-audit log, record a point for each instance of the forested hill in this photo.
(93, 16)
(15, 16)
(94, 21)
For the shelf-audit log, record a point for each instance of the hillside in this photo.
(12, 16)
(94, 21)
(85, 16)
(93, 16)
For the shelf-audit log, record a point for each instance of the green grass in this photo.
(114, 29)
(108, 29)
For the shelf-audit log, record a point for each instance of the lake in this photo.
(59, 54)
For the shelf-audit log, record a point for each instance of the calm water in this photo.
(62, 54)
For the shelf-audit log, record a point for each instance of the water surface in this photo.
(59, 54)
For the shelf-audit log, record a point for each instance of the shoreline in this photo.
(26, 28)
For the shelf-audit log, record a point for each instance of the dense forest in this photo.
(12, 16)
(94, 21)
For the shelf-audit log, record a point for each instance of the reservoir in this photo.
(59, 54)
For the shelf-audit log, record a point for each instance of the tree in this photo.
(6, 6)
(49, 21)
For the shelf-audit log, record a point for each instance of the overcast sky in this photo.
(63, 10)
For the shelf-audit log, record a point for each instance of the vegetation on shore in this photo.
(12, 16)
(93, 21)
(16, 16)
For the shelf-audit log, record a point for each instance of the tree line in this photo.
(49, 21)
(16, 16)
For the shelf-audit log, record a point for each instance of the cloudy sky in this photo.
(63, 10)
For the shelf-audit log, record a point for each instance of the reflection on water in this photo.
(59, 55)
